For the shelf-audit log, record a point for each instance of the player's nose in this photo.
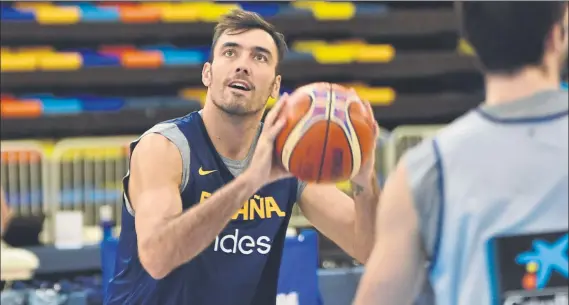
(242, 69)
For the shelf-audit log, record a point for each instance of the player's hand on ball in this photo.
(367, 169)
(264, 167)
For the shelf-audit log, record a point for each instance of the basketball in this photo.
(328, 133)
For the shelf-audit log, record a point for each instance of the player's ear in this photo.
(206, 74)
(276, 87)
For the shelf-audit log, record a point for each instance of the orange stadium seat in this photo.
(139, 14)
(117, 50)
(142, 59)
(21, 109)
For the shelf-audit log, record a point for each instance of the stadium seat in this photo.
(116, 50)
(142, 59)
(99, 14)
(377, 96)
(328, 11)
(92, 59)
(194, 94)
(56, 105)
(18, 62)
(182, 57)
(58, 15)
(60, 61)
(265, 9)
(32, 5)
(101, 103)
(210, 12)
(179, 12)
(21, 109)
(375, 53)
(333, 54)
(139, 14)
(11, 14)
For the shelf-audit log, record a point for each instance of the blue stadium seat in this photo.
(101, 103)
(183, 57)
(99, 14)
(56, 105)
(92, 59)
(265, 9)
(11, 14)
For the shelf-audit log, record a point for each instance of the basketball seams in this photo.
(330, 98)
(298, 132)
(353, 139)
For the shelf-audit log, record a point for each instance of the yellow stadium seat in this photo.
(375, 53)
(194, 94)
(333, 54)
(60, 61)
(58, 15)
(376, 96)
(307, 46)
(211, 12)
(465, 48)
(181, 12)
(333, 10)
(29, 5)
(18, 62)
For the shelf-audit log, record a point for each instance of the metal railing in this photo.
(84, 173)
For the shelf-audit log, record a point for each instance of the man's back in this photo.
(502, 172)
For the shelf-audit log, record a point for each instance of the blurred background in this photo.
(80, 80)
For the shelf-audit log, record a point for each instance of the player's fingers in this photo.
(274, 130)
(274, 112)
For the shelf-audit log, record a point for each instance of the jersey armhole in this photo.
(171, 132)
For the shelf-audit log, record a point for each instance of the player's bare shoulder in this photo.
(155, 160)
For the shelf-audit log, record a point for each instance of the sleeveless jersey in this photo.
(240, 267)
(491, 190)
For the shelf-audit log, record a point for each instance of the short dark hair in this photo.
(239, 21)
(509, 35)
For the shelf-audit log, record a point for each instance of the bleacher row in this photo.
(129, 57)
(133, 12)
(85, 173)
(36, 105)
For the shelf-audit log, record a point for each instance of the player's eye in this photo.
(260, 57)
(229, 53)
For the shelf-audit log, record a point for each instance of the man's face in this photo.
(242, 75)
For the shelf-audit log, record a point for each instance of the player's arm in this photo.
(407, 230)
(5, 210)
(395, 269)
(348, 222)
(168, 237)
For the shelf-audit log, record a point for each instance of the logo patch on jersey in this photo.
(530, 269)
(203, 172)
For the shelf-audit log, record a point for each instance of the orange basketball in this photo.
(328, 134)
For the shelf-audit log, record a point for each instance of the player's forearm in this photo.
(366, 198)
(183, 238)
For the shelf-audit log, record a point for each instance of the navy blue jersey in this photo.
(241, 265)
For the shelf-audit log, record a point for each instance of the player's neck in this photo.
(501, 89)
(232, 136)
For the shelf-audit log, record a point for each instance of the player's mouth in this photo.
(240, 85)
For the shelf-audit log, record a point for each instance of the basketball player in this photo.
(206, 205)
(485, 201)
